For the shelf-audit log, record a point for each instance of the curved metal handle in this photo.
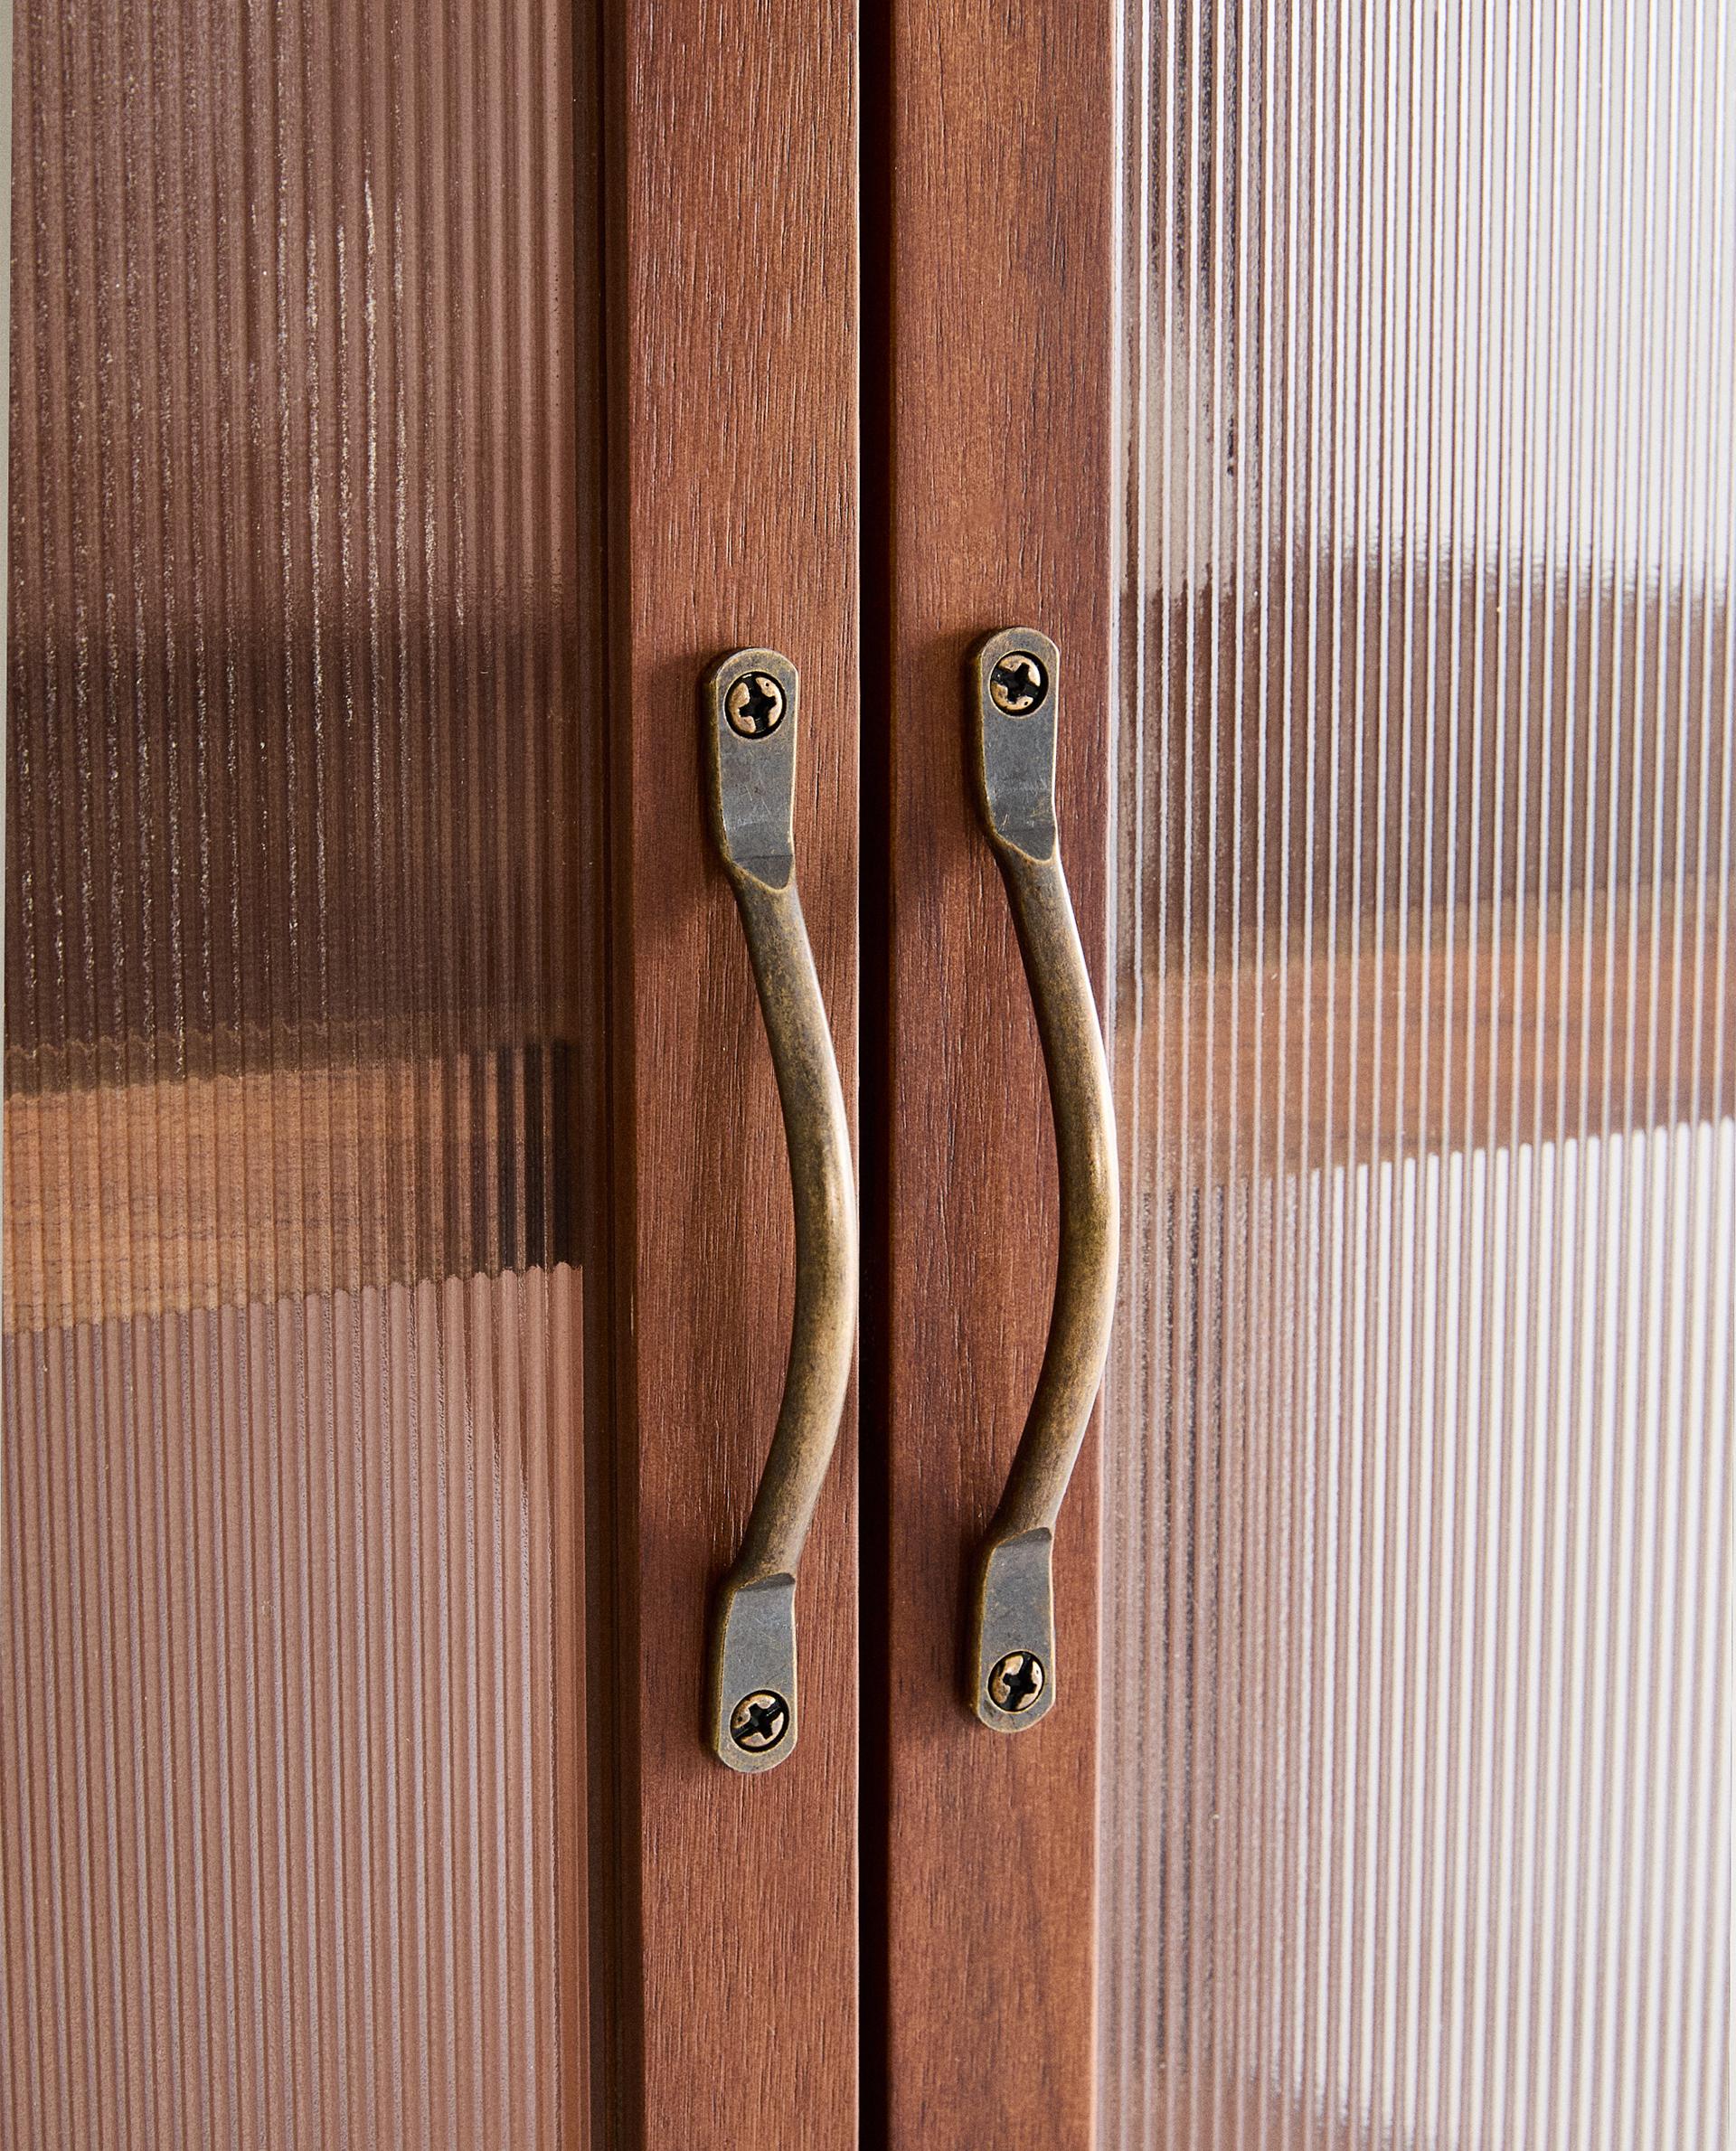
(750, 716)
(1016, 675)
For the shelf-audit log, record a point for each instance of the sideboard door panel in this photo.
(304, 497)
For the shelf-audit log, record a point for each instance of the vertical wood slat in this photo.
(991, 431)
(735, 315)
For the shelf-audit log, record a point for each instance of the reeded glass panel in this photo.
(1415, 1773)
(290, 1839)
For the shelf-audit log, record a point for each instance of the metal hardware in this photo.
(760, 1722)
(754, 704)
(1015, 1609)
(1018, 683)
(1017, 1681)
(751, 722)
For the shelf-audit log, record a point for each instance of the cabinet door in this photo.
(1347, 391)
(409, 404)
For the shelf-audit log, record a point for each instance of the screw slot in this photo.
(758, 1721)
(1018, 683)
(754, 705)
(1015, 1681)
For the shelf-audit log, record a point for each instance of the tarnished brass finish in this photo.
(1017, 684)
(1017, 1681)
(751, 738)
(1014, 1612)
(754, 704)
(759, 1721)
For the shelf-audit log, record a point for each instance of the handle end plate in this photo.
(752, 720)
(1013, 1676)
(753, 1706)
(1017, 690)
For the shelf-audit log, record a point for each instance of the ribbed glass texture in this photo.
(1416, 1761)
(291, 1833)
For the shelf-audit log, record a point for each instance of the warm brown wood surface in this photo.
(735, 357)
(997, 276)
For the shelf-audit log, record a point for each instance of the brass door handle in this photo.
(1016, 677)
(752, 721)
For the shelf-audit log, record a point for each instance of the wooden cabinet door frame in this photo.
(699, 1945)
(725, 1905)
(989, 197)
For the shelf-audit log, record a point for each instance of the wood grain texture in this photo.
(735, 317)
(997, 273)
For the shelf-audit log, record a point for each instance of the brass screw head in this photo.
(760, 1722)
(754, 705)
(1015, 1681)
(1018, 683)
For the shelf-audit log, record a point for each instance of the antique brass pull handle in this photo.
(1016, 674)
(751, 719)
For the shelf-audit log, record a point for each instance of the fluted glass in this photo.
(291, 1826)
(1415, 1768)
